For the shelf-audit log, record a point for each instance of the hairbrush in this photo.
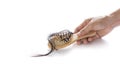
(63, 39)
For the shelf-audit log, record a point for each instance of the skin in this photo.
(101, 25)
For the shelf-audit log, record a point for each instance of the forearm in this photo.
(114, 18)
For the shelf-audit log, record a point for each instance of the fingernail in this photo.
(78, 43)
(89, 39)
(85, 42)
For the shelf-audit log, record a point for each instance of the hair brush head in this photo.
(58, 40)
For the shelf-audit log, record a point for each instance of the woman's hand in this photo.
(100, 25)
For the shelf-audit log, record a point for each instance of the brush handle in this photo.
(75, 36)
(87, 35)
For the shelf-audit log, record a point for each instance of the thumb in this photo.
(84, 23)
(85, 30)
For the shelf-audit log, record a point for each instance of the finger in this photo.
(85, 30)
(85, 41)
(82, 25)
(97, 35)
(90, 39)
(78, 42)
(93, 38)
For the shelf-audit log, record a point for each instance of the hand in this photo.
(101, 26)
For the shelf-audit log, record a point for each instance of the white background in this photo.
(25, 25)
